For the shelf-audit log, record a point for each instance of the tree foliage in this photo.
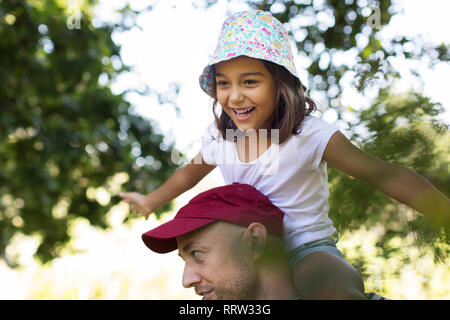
(64, 136)
(402, 129)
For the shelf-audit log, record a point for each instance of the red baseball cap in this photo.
(236, 203)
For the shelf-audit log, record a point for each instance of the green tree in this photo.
(63, 133)
(402, 129)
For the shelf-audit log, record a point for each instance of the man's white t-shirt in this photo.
(292, 175)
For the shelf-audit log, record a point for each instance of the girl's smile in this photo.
(243, 114)
(246, 91)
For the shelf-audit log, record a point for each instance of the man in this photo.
(230, 239)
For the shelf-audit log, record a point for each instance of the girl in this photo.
(266, 137)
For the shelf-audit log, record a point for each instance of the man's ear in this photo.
(256, 234)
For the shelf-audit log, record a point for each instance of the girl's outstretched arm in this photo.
(398, 182)
(182, 180)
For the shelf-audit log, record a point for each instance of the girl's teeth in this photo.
(243, 111)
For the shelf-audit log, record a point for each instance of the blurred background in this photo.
(99, 97)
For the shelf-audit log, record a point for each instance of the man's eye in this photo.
(196, 254)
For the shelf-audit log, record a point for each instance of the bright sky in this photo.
(178, 38)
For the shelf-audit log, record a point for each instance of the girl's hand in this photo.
(144, 204)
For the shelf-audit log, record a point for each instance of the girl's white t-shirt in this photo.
(292, 175)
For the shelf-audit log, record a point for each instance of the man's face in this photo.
(216, 264)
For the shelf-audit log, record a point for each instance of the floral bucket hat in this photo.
(254, 33)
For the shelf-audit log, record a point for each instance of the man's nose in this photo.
(190, 276)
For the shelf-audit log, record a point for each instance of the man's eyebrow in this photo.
(198, 245)
(245, 74)
(186, 248)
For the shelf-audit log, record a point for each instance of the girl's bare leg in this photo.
(324, 276)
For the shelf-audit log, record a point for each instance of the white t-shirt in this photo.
(292, 175)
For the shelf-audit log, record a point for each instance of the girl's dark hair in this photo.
(292, 104)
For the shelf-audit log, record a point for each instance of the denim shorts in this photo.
(327, 244)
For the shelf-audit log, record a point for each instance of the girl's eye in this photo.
(247, 82)
(222, 83)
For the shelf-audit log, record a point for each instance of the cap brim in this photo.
(163, 238)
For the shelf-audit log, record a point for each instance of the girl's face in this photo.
(246, 90)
